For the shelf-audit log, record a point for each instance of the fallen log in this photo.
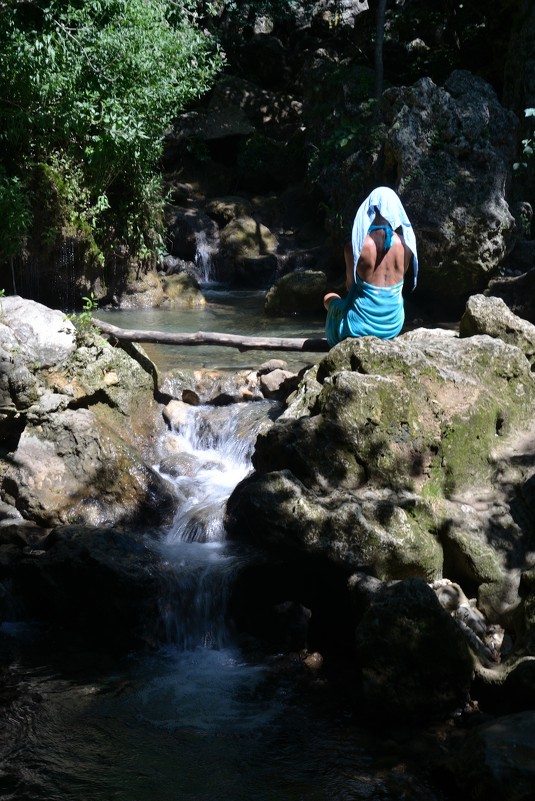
(242, 343)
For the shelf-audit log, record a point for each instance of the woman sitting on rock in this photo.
(381, 248)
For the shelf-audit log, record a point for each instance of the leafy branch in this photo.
(528, 144)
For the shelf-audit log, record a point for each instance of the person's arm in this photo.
(350, 265)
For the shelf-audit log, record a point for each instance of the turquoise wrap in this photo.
(366, 311)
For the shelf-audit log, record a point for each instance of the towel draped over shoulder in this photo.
(390, 207)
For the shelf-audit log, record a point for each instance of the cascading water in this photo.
(204, 266)
(199, 679)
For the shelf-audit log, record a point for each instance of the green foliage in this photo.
(87, 91)
(15, 214)
(83, 321)
(528, 144)
(342, 105)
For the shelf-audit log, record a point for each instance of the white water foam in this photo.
(215, 446)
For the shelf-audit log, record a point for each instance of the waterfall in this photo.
(204, 267)
(211, 452)
(63, 276)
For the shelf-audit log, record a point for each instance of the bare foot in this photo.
(327, 299)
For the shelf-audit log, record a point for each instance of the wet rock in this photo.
(185, 226)
(175, 413)
(101, 583)
(289, 629)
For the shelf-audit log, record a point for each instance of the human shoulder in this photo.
(369, 250)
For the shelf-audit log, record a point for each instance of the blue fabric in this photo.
(366, 311)
(389, 234)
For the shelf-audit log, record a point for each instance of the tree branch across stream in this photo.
(242, 343)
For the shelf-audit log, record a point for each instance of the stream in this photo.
(198, 718)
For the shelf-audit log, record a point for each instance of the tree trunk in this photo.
(379, 39)
(242, 343)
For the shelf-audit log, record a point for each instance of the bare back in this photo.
(380, 268)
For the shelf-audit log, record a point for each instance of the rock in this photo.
(517, 291)
(244, 237)
(492, 316)
(103, 584)
(141, 290)
(441, 137)
(40, 336)
(498, 759)
(176, 413)
(297, 292)
(186, 226)
(289, 626)
(278, 384)
(414, 661)
(435, 146)
(182, 290)
(398, 460)
(271, 364)
(70, 456)
(264, 59)
(226, 209)
(276, 114)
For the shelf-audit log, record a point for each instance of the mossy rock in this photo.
(296, 292)
(244, 237)
(181, 289)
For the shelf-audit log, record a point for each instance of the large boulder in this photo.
(410, 458)
(35, 333)
(449, 151)
(78, 423)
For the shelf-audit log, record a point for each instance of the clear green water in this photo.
(225, 312)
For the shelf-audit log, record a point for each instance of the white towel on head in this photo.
(391, 208)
